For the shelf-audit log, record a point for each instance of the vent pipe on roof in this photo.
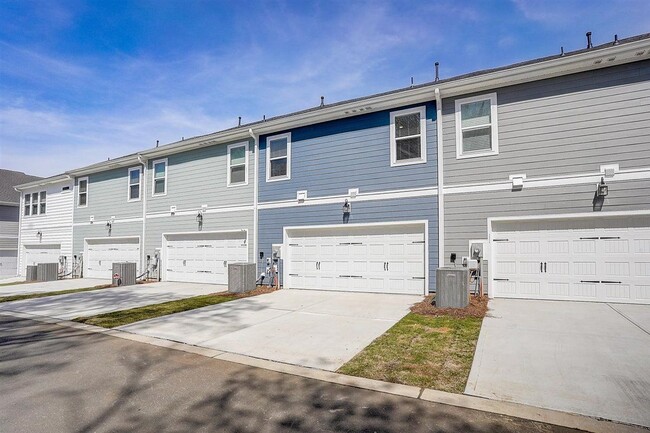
(615, 39)
(561, 51)
(239, 123)
(322, 101)
(264, 118)
(437, 71)
(411, 81)
(157, 143)
(589, 45)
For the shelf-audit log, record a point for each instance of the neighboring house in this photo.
(514, 161)
(9, 220)
(46, 223)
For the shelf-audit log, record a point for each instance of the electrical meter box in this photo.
(277, 251)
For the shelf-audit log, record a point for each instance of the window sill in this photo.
(407, 162)
(278, 179)
(476, 155)
(235, 185)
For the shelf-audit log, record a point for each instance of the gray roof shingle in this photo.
(9, 179)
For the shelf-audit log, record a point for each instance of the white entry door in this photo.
(601, 261)
(363, 258)
(100, 254)
(203, 257)
(35, 254)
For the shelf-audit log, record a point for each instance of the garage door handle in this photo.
(501, 279)
(611, 282)
(590, 281)
(544, 267)
(541, 267)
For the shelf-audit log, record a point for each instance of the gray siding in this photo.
(272, 221)
(187, 223)
(466, 214)
(9, 213)
(331, 164)
(198, 177)
(562, 126)
(107, 196)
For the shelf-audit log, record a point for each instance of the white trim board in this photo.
(193, 211)
(101, 222)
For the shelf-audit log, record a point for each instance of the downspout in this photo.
(255, 186)
(143, 194)
(441, 193)
(72, 190)
(21, 209)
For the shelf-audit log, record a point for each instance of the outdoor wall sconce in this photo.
(602, 188)
(347, 210)
(199, 219)
(39, 235)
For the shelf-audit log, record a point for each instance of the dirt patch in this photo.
(477, 308)
(260, 290)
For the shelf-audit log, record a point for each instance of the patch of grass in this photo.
(425, 351)
(125, 317)
(44, 294)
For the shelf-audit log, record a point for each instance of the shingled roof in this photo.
(9, 179)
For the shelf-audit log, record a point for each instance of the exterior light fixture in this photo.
(199, 219)
(602, 188)
(347, 210)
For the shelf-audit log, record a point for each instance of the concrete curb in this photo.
(517, 410)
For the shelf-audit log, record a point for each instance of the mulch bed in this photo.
(260, 290)
(477, 308)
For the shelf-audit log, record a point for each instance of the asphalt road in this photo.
(58, 379)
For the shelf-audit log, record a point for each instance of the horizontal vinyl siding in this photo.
(466, 214)
(199, 177)
(331, 163)
(562, 126)
(9, 228)
(187, 223)
(7, 243)
(107, 197)
(272, 221)
(55, 225)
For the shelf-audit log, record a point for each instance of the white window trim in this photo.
(234, 146)
(494, 124)
(423, 137)
(29, 206)
(268, 157)
(79, 180)
(128, 184)
(153, 177)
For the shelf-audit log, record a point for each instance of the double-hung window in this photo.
(34, 203)
(134, 184)
(238, 164)
(159, 177)
(42, 203)
(278, 157)
(28, 205)
(476, 126)
(408, 143)
(82, 192)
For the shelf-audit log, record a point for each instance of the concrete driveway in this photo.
(316, 329)
(580, 357)
(112, 299)
(50, 286)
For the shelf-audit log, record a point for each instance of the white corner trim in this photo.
(268, 157)
(423, 137)
(493, 125)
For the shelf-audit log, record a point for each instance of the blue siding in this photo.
(331, 157)
(272, 221)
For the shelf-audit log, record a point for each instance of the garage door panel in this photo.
(102, 253)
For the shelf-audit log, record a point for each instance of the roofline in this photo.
(42, 182)
(10, 203)
(627, 50)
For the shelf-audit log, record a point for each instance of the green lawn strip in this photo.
(424, 351)
(125, 317)
(44, 294)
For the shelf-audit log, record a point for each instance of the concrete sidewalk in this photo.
(51, 286)
(112, 299)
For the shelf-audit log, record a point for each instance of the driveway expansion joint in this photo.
(628, 319)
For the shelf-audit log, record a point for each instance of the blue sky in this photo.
(82, 81)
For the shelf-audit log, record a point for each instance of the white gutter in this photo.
(441, 195)
(143, 194)
(255, 198)
(42, 182)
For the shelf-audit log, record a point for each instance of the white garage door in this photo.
(203, 257)
(604, 260)
(100, 254)
(8, 263)
(361, 258)
(35, 254)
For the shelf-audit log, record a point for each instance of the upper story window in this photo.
(476, 126)
(408, 144)
(35, 203)
(134, 184)
(159, 177)
(82, 192)
(238, 164)
(278, 157)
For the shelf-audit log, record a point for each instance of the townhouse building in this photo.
(543, 166)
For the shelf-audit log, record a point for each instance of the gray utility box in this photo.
(124, 274)
(241, 277)
(452, 287)
(32, 273)
(47, 272)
